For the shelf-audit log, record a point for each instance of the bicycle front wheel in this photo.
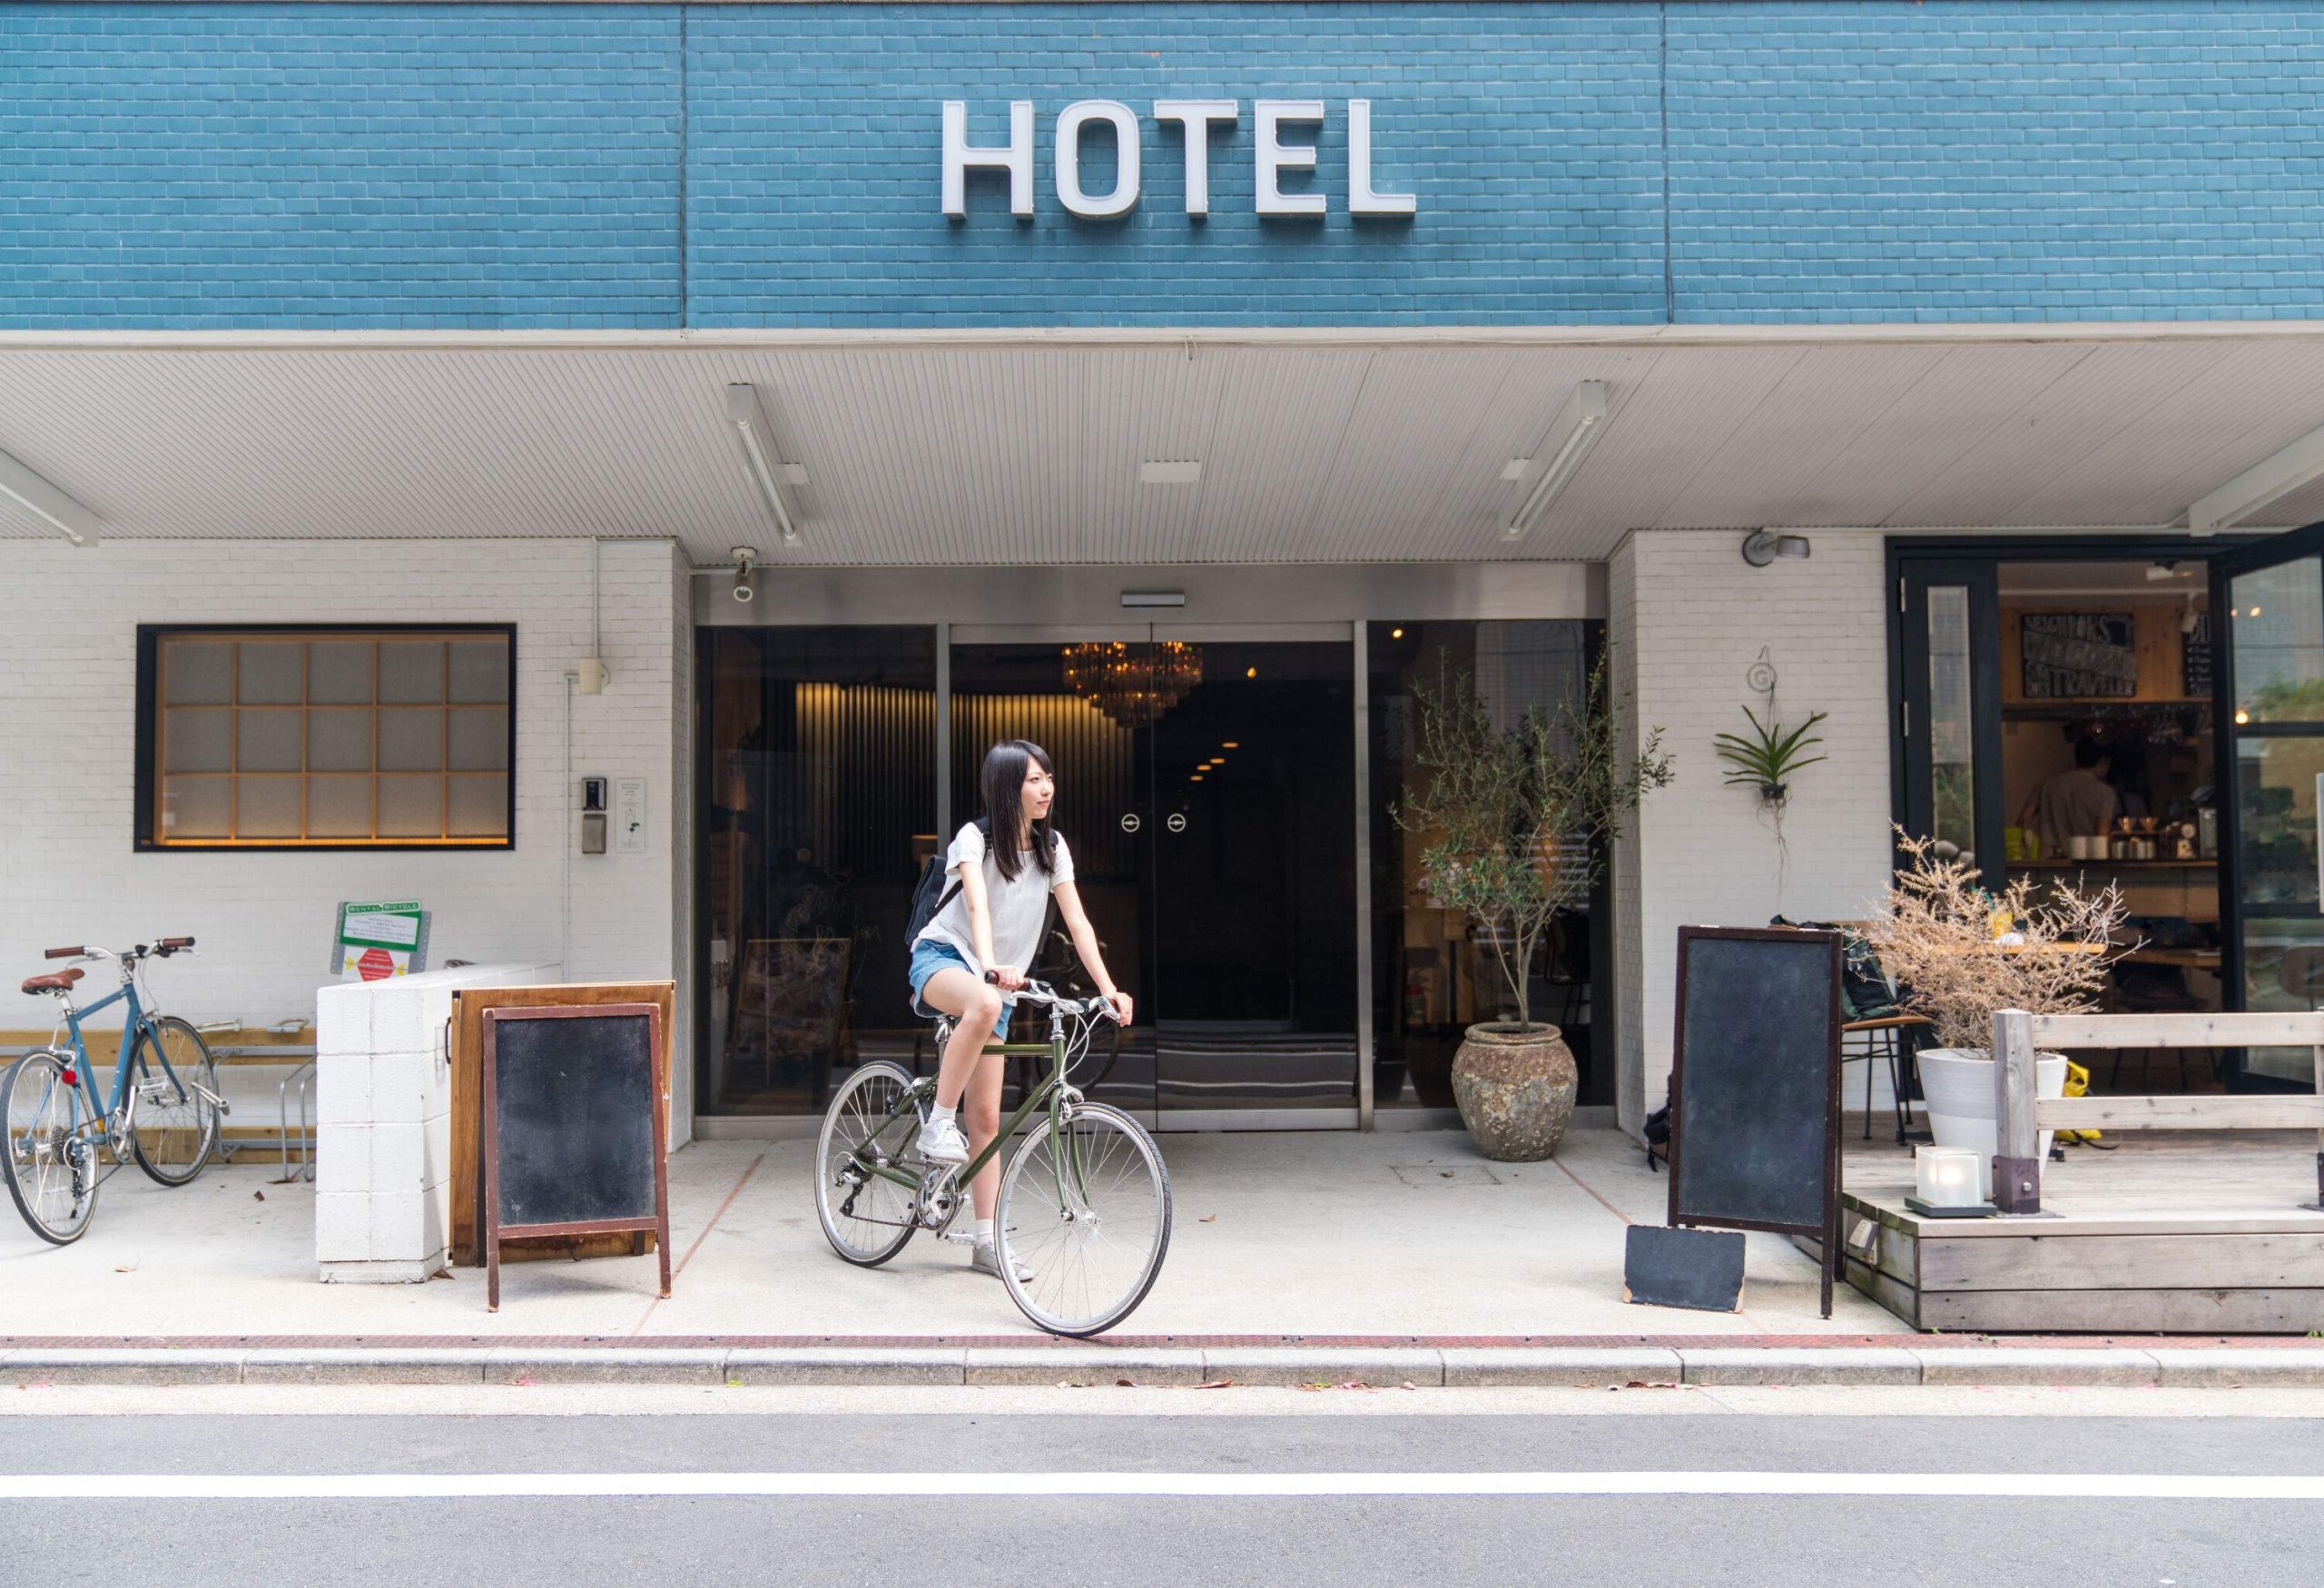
(1085, 1206)
(866, 1218)
(50, 1156)
(176, 1122)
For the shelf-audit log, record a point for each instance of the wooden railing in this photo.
(2020, 1117)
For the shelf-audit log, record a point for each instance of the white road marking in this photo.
(1262, 1486)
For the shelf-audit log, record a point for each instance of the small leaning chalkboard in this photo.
(1755, 1084)
(574, 1136)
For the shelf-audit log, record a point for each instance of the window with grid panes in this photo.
(270, 738)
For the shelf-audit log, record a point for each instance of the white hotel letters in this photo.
(1271, 156)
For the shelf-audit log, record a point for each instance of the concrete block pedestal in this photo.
(383, 1100)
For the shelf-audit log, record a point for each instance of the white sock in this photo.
(938, 1114)
(984, 1232)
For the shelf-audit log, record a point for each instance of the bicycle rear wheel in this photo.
(1086, 1207)
(866, 1218)
(49, 1155)
(175, 1128)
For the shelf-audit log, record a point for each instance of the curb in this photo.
(1498, 1366)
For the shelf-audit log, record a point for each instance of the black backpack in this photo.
(930, 895)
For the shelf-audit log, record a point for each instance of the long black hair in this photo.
(1004, 805)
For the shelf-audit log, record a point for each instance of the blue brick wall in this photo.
(338, 165)
(1528, 132)
(1997, 160)
(651, 165)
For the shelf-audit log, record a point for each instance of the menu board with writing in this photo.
(2195, 658)
(2080, 656)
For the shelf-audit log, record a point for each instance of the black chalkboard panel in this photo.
(1755, 1082)
(1698, 1269)
(574, 1139)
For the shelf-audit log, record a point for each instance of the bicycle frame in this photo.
(138, 1031)
(1037, 1097)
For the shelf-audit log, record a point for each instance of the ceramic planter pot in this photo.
(1514, 1085)
(1957, 1090)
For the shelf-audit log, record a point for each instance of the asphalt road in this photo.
(1689, 1538)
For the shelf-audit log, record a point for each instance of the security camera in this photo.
(745, 558)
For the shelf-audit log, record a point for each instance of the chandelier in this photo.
(1133, 685)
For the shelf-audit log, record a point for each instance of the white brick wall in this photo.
(1687, 617)
(68, 872)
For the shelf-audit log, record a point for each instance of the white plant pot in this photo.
(1957, 1090)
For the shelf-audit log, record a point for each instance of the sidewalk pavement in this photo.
(1296, 1257)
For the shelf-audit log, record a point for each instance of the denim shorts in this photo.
(930, 955)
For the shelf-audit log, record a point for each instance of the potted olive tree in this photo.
(1959, 953)
(1514, 825)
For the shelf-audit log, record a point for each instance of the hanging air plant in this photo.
(1767, 757)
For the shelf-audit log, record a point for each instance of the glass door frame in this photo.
(1351, 633)
(2253, 555)
(1913, 796)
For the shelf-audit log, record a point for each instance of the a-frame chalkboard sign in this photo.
(572, 1128)
(1755, 1084)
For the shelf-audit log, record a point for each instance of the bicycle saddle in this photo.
(54, 981)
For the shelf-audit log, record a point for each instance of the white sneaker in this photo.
(985, 1259)
(940, 1141)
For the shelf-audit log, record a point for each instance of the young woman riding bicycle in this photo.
(994, 925)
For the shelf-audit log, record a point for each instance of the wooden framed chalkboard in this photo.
(1755, 1084)
(572, 1127)
(467, 1042)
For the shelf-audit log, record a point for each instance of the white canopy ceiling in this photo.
(1014, 448)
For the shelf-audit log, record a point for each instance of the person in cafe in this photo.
(2078, 802)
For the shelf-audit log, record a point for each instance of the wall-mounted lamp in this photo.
(749, 421)
(1762, 547)
(745, 559)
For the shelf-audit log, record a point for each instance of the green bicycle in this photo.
(1085, 1200)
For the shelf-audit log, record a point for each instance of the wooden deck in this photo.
(2185, 1233)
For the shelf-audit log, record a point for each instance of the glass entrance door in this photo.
(2271, 691)
(1253, 886)
(1949, 651)
(1207, 789)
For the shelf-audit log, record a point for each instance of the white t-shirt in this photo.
(1018, 908)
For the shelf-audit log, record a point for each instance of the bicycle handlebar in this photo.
(162, 947)
(1040, 992)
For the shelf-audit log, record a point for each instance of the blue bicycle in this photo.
(165, 1111)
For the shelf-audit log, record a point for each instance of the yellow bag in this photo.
(2077, 1085)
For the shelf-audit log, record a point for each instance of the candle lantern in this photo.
(1945, 1184)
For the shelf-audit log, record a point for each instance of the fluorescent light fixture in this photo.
(1169, 471)
(767, 472)
(1762, 547)
(1135, 599)
(1559, 454)
(44, 501)
(2266, 482)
